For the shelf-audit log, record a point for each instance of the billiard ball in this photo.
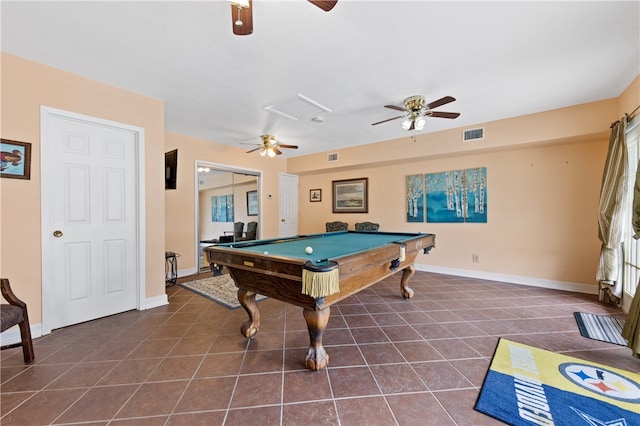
(308, 250)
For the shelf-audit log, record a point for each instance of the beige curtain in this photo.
(631, 329)
(611, 214)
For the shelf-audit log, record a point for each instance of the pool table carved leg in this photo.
(407, 273)
(248, 301)
(317, 358)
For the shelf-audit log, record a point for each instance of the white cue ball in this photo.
(308, 250)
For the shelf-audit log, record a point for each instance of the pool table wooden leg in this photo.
(317, 358)
(407, 273)
(248, 301)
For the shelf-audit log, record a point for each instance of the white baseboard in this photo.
(154, 302)
(187, 272)
(12, 335)
(512, 279)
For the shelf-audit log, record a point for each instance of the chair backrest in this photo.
(238, 230)
(367, 226)
(15, 313)
(336, 226)
(252, 230)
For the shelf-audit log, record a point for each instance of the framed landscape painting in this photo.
(350, 196)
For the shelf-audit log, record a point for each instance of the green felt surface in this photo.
(325, 246)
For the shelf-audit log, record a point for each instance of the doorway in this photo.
(92, 226)
(225, 195)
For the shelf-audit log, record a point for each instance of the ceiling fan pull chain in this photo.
(238, 22)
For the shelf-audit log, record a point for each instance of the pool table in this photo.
(341, 264)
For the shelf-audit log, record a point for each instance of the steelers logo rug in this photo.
(530, 386)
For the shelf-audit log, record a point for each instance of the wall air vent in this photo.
(332, 157)
(473, 134)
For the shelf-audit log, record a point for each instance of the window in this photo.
(631, 246)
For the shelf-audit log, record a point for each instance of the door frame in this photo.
(196, 200)
(46, 192)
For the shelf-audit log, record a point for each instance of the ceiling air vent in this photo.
(332, 157)
(473, 134)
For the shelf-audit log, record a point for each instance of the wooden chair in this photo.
(336, 226)
(367, 226)
(15, 313)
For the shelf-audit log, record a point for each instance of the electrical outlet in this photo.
(475, 258)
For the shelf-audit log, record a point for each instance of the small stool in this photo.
(170, 268)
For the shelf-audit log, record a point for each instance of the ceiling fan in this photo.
(242, 14)
(415, 112)
(270, 146)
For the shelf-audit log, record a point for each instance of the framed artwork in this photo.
(315, 195)
(457, 196)
(15, 159)
(252, 203)
(222, 208)
(351, 196)
(415, 198)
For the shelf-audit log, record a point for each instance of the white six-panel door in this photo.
(288, 206)
(90, 246)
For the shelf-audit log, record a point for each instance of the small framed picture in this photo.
(315, 195)
(15, 159)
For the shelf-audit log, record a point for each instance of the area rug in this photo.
(526, 385)
(601, 327)
(220, 289)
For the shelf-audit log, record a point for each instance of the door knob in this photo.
(57, 233)
(282, 220)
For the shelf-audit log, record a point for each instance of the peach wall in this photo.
(543, 171)
(630, 98)
(25, 87)
(180, 203)
(581, 122)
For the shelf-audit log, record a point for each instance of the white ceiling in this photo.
(499, 59)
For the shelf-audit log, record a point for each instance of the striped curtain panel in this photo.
(631, 329)
(611, 214)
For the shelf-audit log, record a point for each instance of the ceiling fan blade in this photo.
(397, 108)
(388, 119)
(444, 114)
(254, 150)
(413, 125)
(325, 5)
(276, 150)
(243, 15)
(287, 146)
(440, 102)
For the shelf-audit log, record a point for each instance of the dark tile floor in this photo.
(418, 362)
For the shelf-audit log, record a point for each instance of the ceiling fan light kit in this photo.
(416, 112)
(270, 147)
